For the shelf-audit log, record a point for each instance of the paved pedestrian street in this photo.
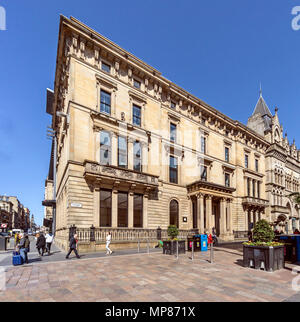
(149, 278)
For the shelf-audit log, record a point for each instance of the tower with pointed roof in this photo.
(282, 167)
(261, 119)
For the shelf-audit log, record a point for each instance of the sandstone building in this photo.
(282, 168)
(136, 152)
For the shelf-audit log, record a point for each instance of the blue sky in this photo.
(218, 50)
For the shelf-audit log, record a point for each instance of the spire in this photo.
(260, 90)
(261, 106)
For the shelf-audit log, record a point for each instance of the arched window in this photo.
(174, 213)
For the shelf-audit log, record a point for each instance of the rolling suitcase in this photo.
(17, 260)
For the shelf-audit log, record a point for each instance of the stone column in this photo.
(114, 149)
(145, 210)
(130, 153)
(97, 206)
(200, 212)
(252, 216)
(223, 217)
(114, 208)
(209, 217)
(246, 220)
(130, 208)
(250, 187)
(229, 216)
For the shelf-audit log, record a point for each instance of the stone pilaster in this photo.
(200, 212)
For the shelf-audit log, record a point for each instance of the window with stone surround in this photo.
(122, 209)
(174, 213)
(136, 115)
(256, 165)
(226, 154)
(105, 207)
(173, 170)
(122, 152)
(105, 102)
(203, 173)
(246, 161)
(203, 144)
(227, 180)
(105, 67)
(105, 148)
(173, 132)
(138, 211)
(137, 156)
(137, 84)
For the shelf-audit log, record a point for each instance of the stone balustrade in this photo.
(95, 169)
(85, 235)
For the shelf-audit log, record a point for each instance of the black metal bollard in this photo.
(92, 234)
(158, 233)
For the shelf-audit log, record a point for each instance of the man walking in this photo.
(108, 241)
(49, 241)
(73, 246)
(40, 244)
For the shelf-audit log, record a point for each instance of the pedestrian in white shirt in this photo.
(49, 241)
(108, 241)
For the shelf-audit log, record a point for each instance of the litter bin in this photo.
(291, 247)
(204, 242)
(197, 243)
(2, 243)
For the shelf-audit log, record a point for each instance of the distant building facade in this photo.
(16, 214)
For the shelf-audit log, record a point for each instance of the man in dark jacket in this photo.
(73, 246)
(24, 247)
(40, 244)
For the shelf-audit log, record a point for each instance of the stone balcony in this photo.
(96, 172)
(255, 202)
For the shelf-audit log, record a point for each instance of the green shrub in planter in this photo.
(263, 235)
(262, 232)
(173, 232)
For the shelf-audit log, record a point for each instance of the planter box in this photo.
(269, 258)
(169, 247)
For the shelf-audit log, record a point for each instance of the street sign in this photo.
(4, 226)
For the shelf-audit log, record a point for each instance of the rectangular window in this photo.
(226, 154)
(122, 209)
(105, 102)
(203, 144)
(203, 173)
(105, 67)
(136, 84)
(138, 211)
(137, 156)
(105, 208)
(122, 152)
(258, 190)
(105, 148)
(227, 179)
(173, 170)
(173, 105)
(136, 112)
(246, 161)
(256, 166)
(173, 132)
(248, 187)
(253, 188)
